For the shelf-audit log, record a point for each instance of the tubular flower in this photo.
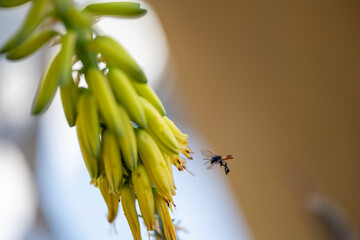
(163, 210)
(111, 200)
(144, 196)
(128, 204)
(126, 140)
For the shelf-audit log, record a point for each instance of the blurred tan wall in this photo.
(276, 83)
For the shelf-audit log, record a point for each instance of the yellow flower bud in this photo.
(144, 195)
(154, 163)
(162, 207)
(128, 205)
(111, 200)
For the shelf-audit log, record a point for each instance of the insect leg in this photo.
(213, 164)
(227, 170)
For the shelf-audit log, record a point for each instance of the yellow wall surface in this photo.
(277, 84)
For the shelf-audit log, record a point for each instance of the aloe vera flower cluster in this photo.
(127, 142)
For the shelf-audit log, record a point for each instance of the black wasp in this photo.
(214, 159)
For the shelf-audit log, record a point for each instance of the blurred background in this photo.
(275, 83)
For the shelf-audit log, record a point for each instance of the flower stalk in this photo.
(127, 142)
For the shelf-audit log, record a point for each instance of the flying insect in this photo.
(214, 159)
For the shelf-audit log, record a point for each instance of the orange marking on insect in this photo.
(227, 157)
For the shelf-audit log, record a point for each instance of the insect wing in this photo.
(212, 165)
(207, 153)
